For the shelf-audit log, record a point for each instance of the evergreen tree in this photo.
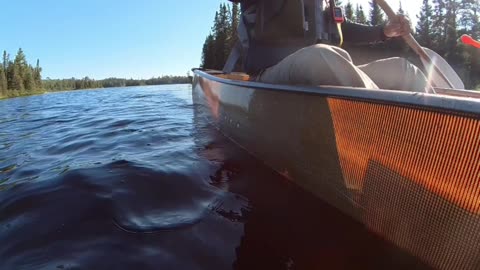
(400, 8)
(475, 29)
(3, 82)
(438, 29)
(3, 75)
(376, 14)
(21, 62)
(235, 20)
(207, 52)
(10, 75)
(37, 75)
(360, 15)
(28, 80)
(5, 60)
(451, 34)
(349, 14)
(221, 35)
(466, 12)
(221, 40)
(424, 26)
(17, 80)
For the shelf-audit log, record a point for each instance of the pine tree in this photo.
(400, 8)
(221, 35)
(21, 61)
(5, 60)
(3, 75)
(28, 80)
(207, 52)
(349, 14)
(475, 29)
(360, 15)
(424, 27)
(451, 34)
(466, 12)
(218, 44)
(376, 14)
(235, 20)
(17, 80)
(438, 26)
(3, 82)
(37, 75)
(19, 71)
(10, 75)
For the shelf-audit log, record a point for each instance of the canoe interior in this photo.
(405, 165)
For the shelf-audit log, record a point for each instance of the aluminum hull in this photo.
(406, 165)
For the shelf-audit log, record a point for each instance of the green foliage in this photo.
(28, 81)
(440, 25)
(19, 78)
(3, 82)
(221, 40)
(423, 31)
(360, 16)
(207, 52)
(349, 13)
(37, 75)
(88, 83)
(376, 14)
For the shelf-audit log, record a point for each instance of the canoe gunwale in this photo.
(424, 101)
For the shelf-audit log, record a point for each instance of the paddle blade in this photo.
(466, 39)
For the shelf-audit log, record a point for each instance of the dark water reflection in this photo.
(126, 179)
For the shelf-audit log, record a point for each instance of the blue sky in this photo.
(109, 38)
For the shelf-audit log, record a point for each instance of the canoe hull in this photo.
(390, 166)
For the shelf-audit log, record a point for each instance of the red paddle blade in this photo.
(466, 39)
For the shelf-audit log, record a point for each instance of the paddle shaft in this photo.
(410, 40)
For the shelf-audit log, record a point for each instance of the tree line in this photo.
(222, 38)
(88, 83)
(440, 25)
(18, 78)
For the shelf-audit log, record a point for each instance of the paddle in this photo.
(466, 39)
(410, 40)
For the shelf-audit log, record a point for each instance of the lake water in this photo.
(128, 178)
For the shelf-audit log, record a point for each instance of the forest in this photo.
(19, 78)
(440, 25)
(87, 83)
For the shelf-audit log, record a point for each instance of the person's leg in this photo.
(397, 74)
(317, 65)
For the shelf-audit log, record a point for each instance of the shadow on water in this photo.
(173, 194)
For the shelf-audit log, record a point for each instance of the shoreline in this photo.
(24, 95)
(68, 90)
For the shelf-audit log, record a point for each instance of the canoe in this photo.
(406, 165)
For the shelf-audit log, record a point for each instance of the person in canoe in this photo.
(297, 42)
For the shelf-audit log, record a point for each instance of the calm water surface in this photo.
(130, 179)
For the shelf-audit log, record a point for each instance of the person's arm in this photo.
(354, 33)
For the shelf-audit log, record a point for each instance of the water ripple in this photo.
(128, 179)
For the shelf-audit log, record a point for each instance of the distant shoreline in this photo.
(37, 93)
